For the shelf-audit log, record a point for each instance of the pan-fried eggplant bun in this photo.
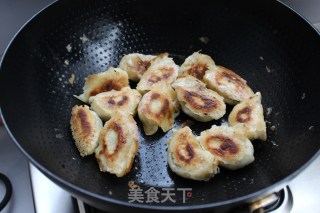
(85, 127)
(106, 104)
(196, 65)
(135, 65)
(158, 108)
(248, 117)
(118, 145)
(228, 84)
(197, 101)
(231, 147)
(112, 79)
(188, 159)
(162, 69)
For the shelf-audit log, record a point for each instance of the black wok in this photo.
(273, 48)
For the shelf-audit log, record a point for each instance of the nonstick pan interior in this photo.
(269, 45)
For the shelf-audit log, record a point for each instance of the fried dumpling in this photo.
(158, 108)
(228, 84)
(112, 79)
(85, 128)
(118, 145)
(135, 65)
(231, 147)
(106, 104)
(162, 69)
(197, 101)
(196, 65)
(188, 159)
(248, 117)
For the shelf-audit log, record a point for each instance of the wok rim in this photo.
(76, 190)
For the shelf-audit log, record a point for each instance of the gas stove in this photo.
(34, 192)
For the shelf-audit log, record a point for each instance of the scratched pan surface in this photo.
(272, 47)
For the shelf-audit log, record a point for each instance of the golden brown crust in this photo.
(184, 150)
(82, 123)
(124, 101)
(118, 145)
(231, 147)
(82, 120)
(225, 146)
(187, 158)
(197, 101)
(158, 107)
(248, 117)
(121, 140)
(230, 76)
(142, 66)
(196, 65)
(161, 112)
(108, 85)
(228, 84)
(244, 115)
(112, 79)
(135, 65)
(85, 127)
(198, 70)
(163, 75)
(162, 70)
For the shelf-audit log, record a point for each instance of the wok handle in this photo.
(262, 205)
(8, 192)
